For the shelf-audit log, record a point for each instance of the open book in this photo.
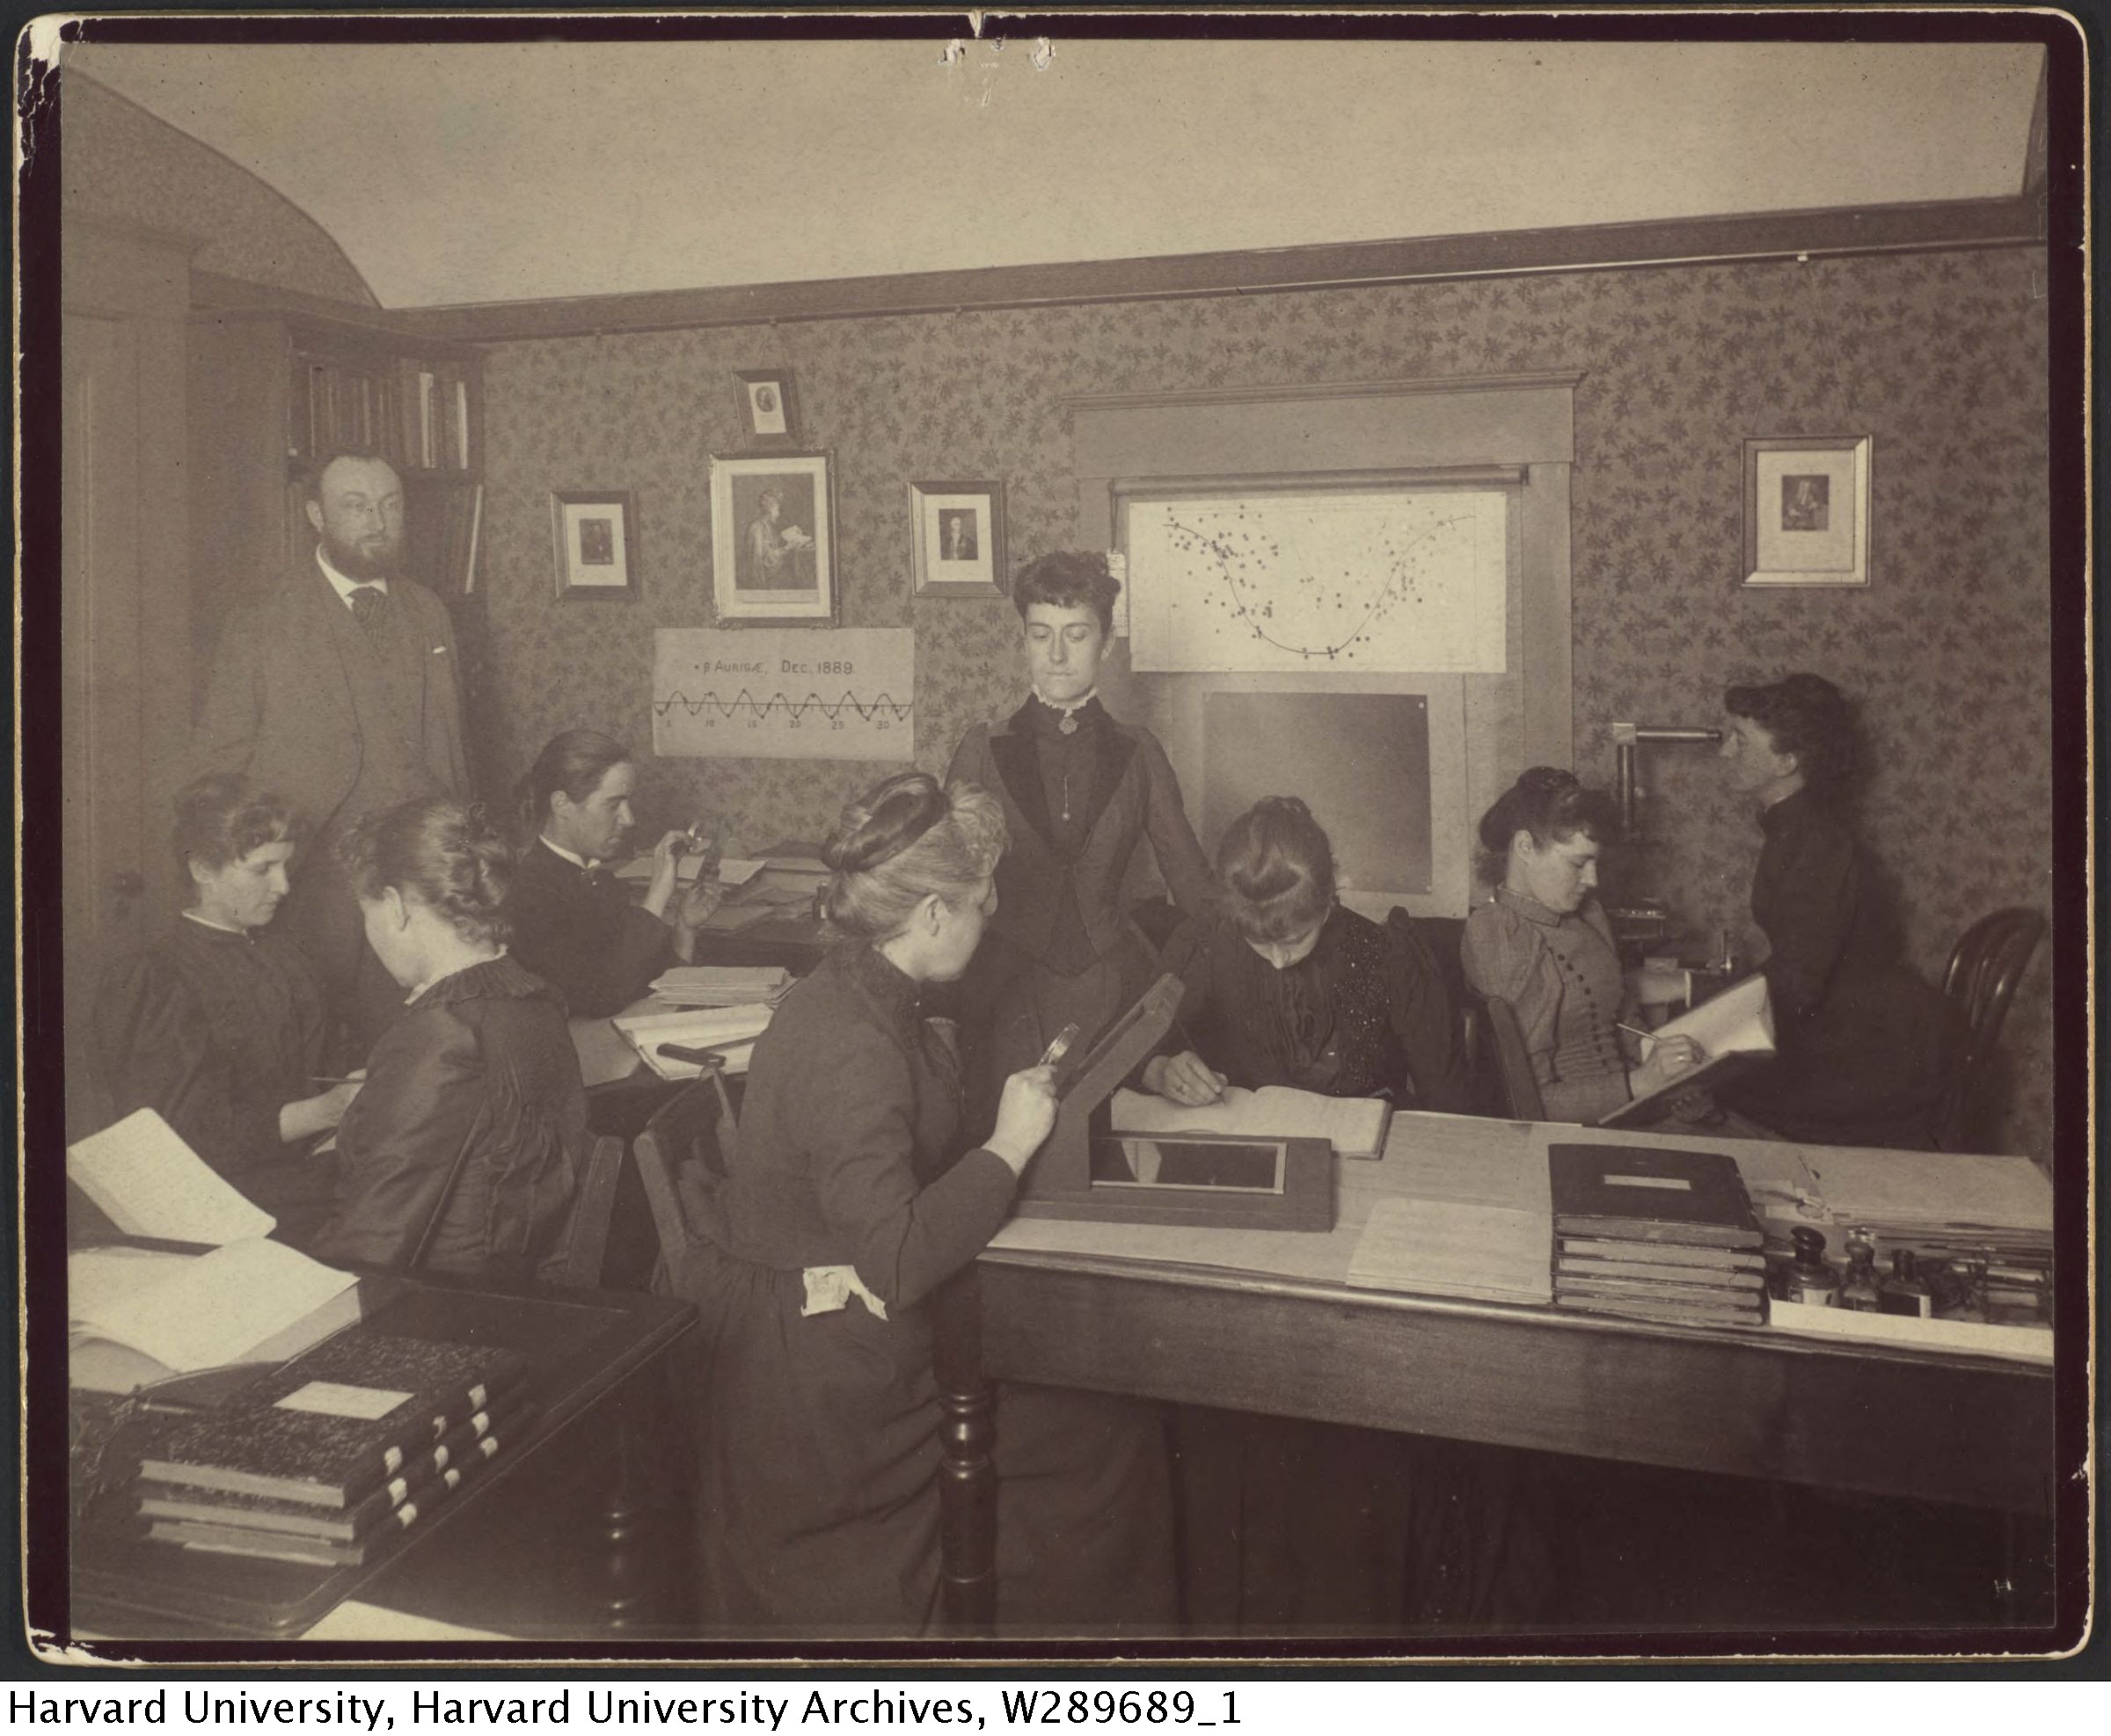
(1735, 1031)
(1353, 1126)
(732, 1030)
(138, 1314)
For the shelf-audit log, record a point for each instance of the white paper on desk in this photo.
(149, 1183)
(219, 1306)
(1354, 1126)
(1456, 1248)
(734, 870)
(1933, 1188)
(705, 1027)
(96, 1277)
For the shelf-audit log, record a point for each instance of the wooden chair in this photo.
(1983, 972)
(1438, 939)
(587, 1244)
(697, 1126)
(1513, 1064)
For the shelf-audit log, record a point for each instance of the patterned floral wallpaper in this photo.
(119, 163)
(1940, 357)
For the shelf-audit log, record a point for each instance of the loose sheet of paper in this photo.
(219, 1306)
(149, 1183)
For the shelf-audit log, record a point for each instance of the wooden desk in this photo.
(1298, 1342)
(589, 1353)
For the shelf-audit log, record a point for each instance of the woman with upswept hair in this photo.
(1864, 1046)
(826, 1267)
(463, 1151)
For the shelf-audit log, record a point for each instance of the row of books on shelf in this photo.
(445, 537)
(416, 414)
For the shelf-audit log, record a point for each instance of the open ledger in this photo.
(138, 1315)
(1735, 1031)
(1353, 1126)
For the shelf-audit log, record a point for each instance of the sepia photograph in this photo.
(595, 544)
(957, 539)
(1421, 994)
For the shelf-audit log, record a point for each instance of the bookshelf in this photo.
(274, 385)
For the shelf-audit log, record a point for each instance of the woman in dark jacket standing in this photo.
(820, 1263)
(463, 1151)
(1864, 1046)
(1080, 791)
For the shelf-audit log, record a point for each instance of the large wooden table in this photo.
(1125, 1310)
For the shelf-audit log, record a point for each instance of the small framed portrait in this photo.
(596, 543)
(773, 538)
(957, 535)
(1807, 512)
(769, 408)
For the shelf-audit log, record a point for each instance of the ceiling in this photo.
(503, 172)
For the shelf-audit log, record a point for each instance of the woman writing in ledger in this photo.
(1080, 790)
(1546, 947)
(820, 1256)
(574, 922)
(1293, 1525)
(1286, 988)
(220, 1026)
(463, 1151)
(1864, 1046)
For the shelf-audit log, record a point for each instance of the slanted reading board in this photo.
(1085, 1170)
(1735, 1031)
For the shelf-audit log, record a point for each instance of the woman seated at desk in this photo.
(574, 922)
(220, 1026)
(1864, 1047)
(1286, 988)
(819, 1269)
(1290, 1525)
(1080, 790)
(461, 1152)
(1544, 946)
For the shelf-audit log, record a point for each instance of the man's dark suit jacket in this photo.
(279, 704)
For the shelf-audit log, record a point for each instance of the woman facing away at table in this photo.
(574, 924)
(463, 1151)
(1079, 790)
(220, 1026)
(1544, 945)
(1291, 1526)
(1864, 1047)
(827, 1264)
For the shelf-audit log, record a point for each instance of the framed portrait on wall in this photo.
(596, 543)
(769, 409)
(1807, 512)
(957, 538)
(773, 538)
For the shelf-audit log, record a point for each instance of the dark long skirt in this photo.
(816, 1499)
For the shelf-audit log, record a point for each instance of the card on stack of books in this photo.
(1655, 1235)
(334, 1456)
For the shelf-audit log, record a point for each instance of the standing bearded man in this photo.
(338, 692)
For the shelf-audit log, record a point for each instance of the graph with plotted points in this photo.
(1401, 580)
(784, 693)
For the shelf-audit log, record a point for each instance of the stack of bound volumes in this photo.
(1658, 1235)
(332, 1457)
